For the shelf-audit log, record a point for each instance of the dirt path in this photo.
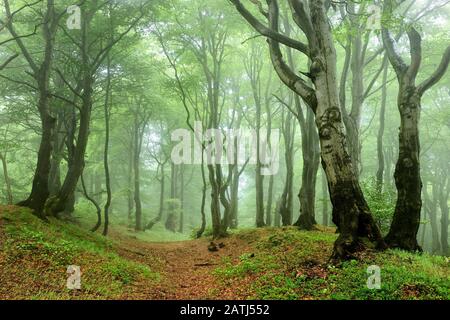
(186, 267)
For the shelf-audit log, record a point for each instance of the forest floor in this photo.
(267, 263)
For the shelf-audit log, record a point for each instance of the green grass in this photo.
(37, 255)
(292, 264)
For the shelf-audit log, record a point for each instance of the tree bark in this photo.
(107, 114)
(162, 182)
(380, 154)
(9, 195)
(406, 220)
(40, 189)
(286, 200)
(443, 203)
(325, 197)
(311, 160)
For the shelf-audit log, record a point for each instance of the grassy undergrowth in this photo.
(86, 216)
(292, 264)
(34, 257)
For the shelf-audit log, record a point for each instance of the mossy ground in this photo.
(34, 257)
(291, 264)
(266, 263)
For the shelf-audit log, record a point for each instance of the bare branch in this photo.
(269, 32)
(3, 66)
(438, 74)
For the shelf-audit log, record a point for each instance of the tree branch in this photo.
(438, 74)
(3, 66)
(269, 32)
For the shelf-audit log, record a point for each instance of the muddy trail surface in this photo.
(186, 267)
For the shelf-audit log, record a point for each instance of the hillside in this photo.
(264, 263)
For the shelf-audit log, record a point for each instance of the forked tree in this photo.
(406, 220)
(351, 213)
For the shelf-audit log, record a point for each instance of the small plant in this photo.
(382, 203)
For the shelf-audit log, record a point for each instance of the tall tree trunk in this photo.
(311, 160)
(107, 112)
(310, 154)
(259, 178)
(215, 203)
(350, 211)
(325, 197)
(431, 206)
(380, 154)
(9, 195)
(277, 217)
(40, 190)
(63, 199)
(269, 208)
(181, 223)
(286, 201)
(54, 179)
(65, 196)
(234, 197)
(173, 213)
(130, 180)
(136, 170)
(95, 203)
(162, 183)
(443, 203)
(202, 206)
(406, 220)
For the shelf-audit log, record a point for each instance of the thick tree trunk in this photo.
(406, 220)
(54, 179)
(311, 160)
(40, 190)
(58, 203)
(350, 211)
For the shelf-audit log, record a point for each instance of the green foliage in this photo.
(382, 204)
(290, 265)
(44, 250)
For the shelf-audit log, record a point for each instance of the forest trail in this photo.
(186, 266)
(264, 263)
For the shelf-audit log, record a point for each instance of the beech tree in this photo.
(351, 213)
(406, 220)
